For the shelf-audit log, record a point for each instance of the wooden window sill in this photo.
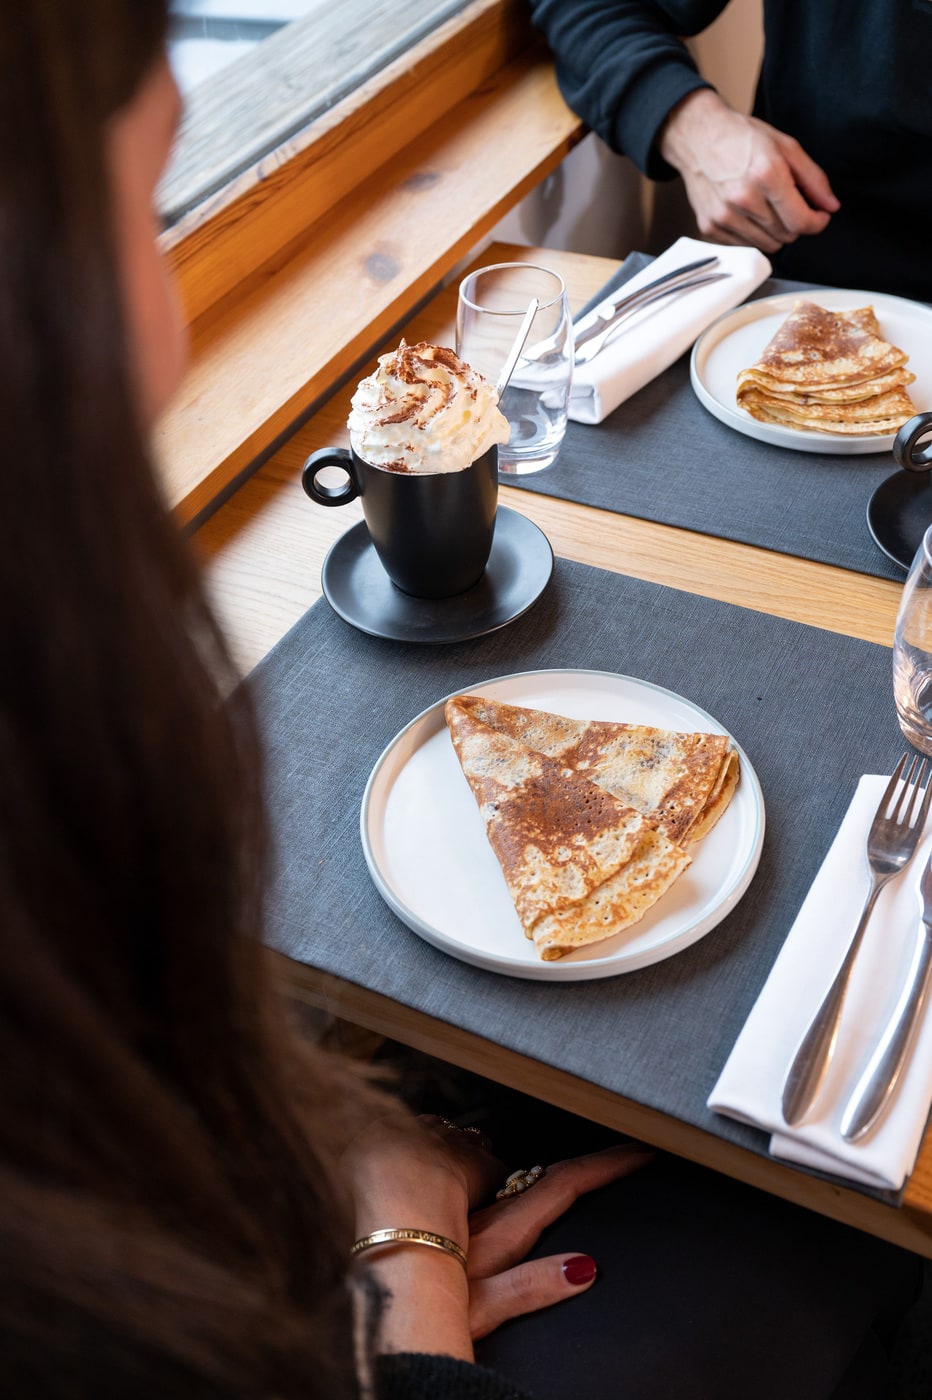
(269, 342)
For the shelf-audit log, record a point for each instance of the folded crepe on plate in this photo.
(829, 372)
(587, 819)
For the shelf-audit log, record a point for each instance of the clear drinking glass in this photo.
(912, 651)
(491, 306)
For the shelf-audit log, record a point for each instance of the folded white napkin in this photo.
(658, 335)
(751, 1084)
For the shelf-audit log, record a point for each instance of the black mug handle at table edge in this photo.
(906, 451)
(330, 495)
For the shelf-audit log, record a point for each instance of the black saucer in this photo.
(359, 590)
(899, 513)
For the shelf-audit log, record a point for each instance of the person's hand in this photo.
(426, 1175)
(746, 182)
(502, 1282)
(423, 1172)
(429, 1174)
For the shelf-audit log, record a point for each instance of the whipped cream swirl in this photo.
(424, 410)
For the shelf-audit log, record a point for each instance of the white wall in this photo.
(596, 202)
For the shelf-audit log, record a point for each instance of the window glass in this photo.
(255, 73)
(206, 35)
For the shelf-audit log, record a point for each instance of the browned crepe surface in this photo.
(830, 372)
(581, 860)
(815, 346)
(667, 775)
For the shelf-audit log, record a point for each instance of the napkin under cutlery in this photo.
(650, 341)
(751, 1083)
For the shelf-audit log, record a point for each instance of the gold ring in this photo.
(519, 1182)
(457, 1129)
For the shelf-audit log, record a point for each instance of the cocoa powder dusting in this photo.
(548, 812)
(411, 360)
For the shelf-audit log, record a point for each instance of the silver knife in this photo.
(607, 312)
(885, 1069)
(616, 323)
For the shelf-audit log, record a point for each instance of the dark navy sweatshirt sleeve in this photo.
(412, 1376)
(622, 65)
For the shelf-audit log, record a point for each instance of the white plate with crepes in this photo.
(734, 342)
(427, 851)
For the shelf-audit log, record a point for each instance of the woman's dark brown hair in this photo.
(168, 1224)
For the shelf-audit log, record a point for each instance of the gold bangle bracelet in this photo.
(409, 1236)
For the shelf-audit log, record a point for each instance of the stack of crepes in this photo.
(829, 372)
(589, 820)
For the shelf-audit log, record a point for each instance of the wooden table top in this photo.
(263, 551)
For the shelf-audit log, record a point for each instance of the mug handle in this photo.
(329, 495)
(905, 452)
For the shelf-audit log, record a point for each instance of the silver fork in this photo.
(891, 842)
(885, 1067)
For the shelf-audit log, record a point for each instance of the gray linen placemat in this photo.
(661, 456)
(812, 710)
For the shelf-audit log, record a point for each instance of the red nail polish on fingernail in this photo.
(579, 1270)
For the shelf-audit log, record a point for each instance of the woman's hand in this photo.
(430, 1175)
(423, 1172)
(502, 1283)
(424, 1175)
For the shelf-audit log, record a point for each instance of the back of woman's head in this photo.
(167, 1225)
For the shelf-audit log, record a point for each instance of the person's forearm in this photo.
(427, 1299)
(622, 65)
(687, 126)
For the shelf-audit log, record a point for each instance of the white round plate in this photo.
(735, 341)
(427, 851)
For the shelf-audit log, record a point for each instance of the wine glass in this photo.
(912, 651)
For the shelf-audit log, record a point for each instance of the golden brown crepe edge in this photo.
(892, 410)
(623, 900)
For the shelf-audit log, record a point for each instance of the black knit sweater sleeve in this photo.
(622, 65)
(410, 1376)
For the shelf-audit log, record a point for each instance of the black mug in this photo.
(432, 531)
